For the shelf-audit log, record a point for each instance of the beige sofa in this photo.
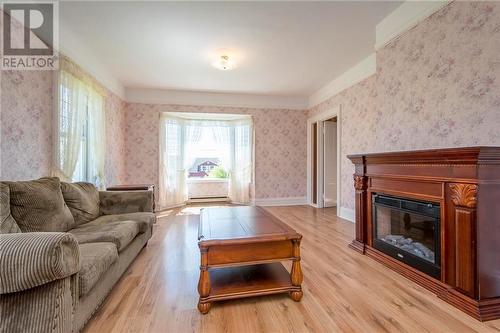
(63, 246)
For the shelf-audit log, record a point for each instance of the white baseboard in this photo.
(291, 201)
(347, 214)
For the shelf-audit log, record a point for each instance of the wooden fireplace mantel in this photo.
(466, 184)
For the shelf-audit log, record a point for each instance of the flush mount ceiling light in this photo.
(224, 63)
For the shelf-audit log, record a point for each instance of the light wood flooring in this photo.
(343, 291)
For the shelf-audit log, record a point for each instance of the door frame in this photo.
(319, 118)
(324, 164)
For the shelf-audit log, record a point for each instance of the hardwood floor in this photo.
(343, 290)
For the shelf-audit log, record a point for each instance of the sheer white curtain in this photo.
(177, 138)
(192, 137)
(72, 109)
(222, 131)
(80, 126)
(171, 182)
(97, 139)
(242, 161)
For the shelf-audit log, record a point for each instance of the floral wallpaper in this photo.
(115, 140)
(280, 146)
(439, 84)
(26, 109)
(436, 86)
(25, 124)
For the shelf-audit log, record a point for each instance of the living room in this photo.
(250, 166)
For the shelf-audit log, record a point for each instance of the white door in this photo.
(330, 163)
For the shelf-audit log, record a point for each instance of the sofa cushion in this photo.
(144, 220)
(82, 200)
(38, 205)
(7, 223)
(121, 202)
(121, 233)
(95, 260)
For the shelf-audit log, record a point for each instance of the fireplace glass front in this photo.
(408, 230)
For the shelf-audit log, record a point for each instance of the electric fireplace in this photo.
(433, 216)
(408, 230)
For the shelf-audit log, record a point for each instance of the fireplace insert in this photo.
(408, 230)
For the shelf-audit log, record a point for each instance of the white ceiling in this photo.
(282, 48)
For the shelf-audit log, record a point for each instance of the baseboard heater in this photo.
(208, 199)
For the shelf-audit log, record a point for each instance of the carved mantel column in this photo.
(464, 197)
(360, 185)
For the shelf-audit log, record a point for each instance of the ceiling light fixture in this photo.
(224, 63)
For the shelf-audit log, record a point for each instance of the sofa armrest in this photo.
(121, 202)
(32, 259)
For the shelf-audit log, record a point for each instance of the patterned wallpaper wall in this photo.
(115, 140)
(26, 146)
(25, 124)
(280, 146)
(437, 85)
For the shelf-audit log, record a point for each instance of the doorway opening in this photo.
(323, 172)
(329, 162)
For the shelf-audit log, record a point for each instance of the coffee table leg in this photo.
(296, 274)
(204, 282)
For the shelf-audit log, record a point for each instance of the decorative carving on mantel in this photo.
(464, 195)
(359, 182)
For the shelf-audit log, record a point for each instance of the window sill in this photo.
(207, 180)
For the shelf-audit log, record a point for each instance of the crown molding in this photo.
(403, 18)
(182, 97)
(363, 69)
(72, 47)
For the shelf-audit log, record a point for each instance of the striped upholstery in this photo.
(82, 200)
(121, 233)
(95, 260)
(48, 281)
(121, 202)
(38, 205)
(7, 222)
(47, 308)
(29, 260)
(144, 219)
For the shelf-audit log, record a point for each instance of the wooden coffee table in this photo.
(241, 253)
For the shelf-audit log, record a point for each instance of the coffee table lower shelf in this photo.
(246, 281)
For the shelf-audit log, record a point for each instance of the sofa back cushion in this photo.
(38, 205)
(82, 200)
(7, 223)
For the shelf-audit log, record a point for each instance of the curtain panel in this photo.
(80, 111)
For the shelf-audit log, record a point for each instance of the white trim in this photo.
(330, 203)
(403, 18)
(347, 214)
(185, 97)
(363, 69)
(328, 114)
(206, 180)
(289, 201)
